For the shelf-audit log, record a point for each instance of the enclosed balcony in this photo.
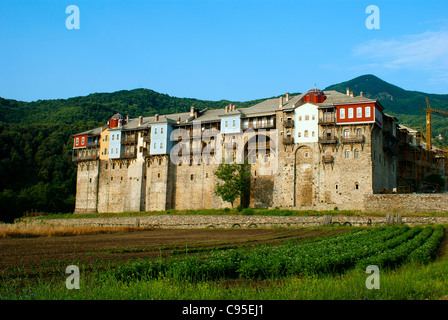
(328, 139)
(327, 159)
(353, 139)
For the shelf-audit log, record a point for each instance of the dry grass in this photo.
(30, 230)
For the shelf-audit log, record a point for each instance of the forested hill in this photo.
(99, 107)
(36, 170)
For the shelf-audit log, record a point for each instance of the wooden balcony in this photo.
(147, 138)
(288, 140)
(259, 125)
(327, 121)
(79, 158)
(328, 140)
(354, 139)
(288, 123)
(93, 143)
(129, 139)
(128, 155)
(327, 159)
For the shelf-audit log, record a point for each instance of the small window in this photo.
(226, 124)
(77, 141)
(191, 177)
(90, 180)
(206, 174)
(313, 117)
(161, 145)
(347, 154)
(158, 175)
(300, 118)
(342, 113)
(155, 130)
(307, 155)
(113, 165)
(367, 112)
(307, 117)
(111, 178)
(83, 140)
(234, 123)
(116, 150)
(112, 137)
(161, 130)
(105, 166)
(305, 134)
(105, 137)
(299, 134)
(356, 186)
(350, 113)
(337, 187)
(359, 112)
(356, 153)
(312, 134)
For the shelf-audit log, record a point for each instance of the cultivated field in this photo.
(270, 263)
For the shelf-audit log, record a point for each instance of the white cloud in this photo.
(427, 51)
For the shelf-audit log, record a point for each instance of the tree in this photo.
(236, 181)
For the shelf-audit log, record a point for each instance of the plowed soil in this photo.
(38, 253)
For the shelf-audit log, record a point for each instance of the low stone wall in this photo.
(209, 221)
(410, 202)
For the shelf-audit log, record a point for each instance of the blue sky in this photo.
(218, 49)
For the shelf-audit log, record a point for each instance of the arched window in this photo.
(299, 134)
(356, 153)
(347, 154)
(359, 132)
(305, 134)
(346, 133)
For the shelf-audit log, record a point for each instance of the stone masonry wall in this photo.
(407, 203)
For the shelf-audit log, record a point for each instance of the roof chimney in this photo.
(351, 93)
(178, 120)
(280, 102)
(226, 109)
(191, 111)
(348, 91)
(156, 117)
(127, 118)
(361, 94)
(140, 120)
(287, 96)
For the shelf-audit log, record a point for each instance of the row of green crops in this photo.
(382, 246)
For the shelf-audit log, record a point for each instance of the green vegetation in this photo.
(325, 268)
(235, 181)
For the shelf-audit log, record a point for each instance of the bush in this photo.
(248, 212)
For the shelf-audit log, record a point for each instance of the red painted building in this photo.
(359, 113)
(80, 141)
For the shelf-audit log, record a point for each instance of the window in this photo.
(106, 166)
(234, 123)
(83, 140)
(116, 150)
(356, 186)
(342, 113)
(359, 112)
(356, 153)
(307, 155)
(118, 136)
(336, 186)
(155, 145)
(307, 117)
(359, 132)
(226, 124)
(105, 137)
(105, 150)
(300, 118)
(305, 134)
(367, 112)
(350, 113)
(111, 151)
(347, 154)
(161, 130)
(158, 175)
(161, 145)
(346, 133)
(191, 177)
(77, 141)
(312, 134)
(313, 117)
(299, 134)
(112, 137)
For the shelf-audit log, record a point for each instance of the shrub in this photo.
(248, 212)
